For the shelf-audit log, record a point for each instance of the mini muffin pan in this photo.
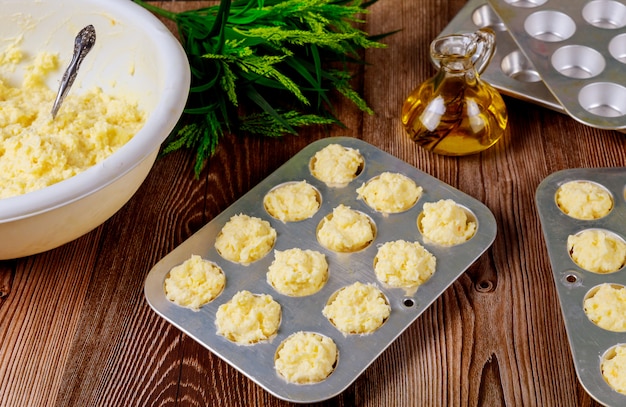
(509, 71)
(588, 342)
(356, 352)
(578, 49)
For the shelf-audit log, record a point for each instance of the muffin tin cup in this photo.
(568, 44)
(588, 342)
(356, 352)
(509, 71)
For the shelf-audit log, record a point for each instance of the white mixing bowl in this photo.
(134, 54)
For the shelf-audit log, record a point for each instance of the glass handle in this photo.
(485, 40)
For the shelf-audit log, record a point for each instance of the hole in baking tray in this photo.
(585, 200)
(578, 61)
(597, 250)
(408, 302)
(603, 306)
(518, 67)
(608, 14)
(525, 3)
(611, 367)
(571, 278)
(617, 48)
(549, 26)
(604, 99)
(484, 16)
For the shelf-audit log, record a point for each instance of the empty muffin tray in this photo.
(589, 342)
(579, 50)
(356, 352)
(510, 71)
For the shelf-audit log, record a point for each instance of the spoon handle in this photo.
(83, 43)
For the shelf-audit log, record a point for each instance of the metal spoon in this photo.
(83, 43)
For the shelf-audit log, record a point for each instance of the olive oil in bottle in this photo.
(455, 112)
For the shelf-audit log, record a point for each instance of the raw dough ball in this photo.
(297, 272)
(345, 230)
(390, 192)
(245, 239)
(194, 283)
(248, 318)
(404, 264)
(336, 165)
(613, 367)
(292, 202)
(584, 200)
(306, 357)
(445, 223)
(606, 307)
(357, 309)
(597, 251)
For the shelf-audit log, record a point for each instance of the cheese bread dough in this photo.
(613, 367)
(345, 230)
(404, 264)
(37, 151)
(584, 200)
(245, 239)
(292, 202)
(297, 273)
(606, 307)
(445, 223)
(248, 318)
(336, 165)
(194, 283)
(306, 357)
(597, 251)
(390, 192)
(357, 309)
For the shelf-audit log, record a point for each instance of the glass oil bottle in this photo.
(455, 112)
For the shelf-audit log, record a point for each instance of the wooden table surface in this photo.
(76, 330)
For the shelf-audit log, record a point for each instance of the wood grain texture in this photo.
(75, 329)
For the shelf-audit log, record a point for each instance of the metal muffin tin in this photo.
(578, 49)
(356, 352)
(509, 71)
(588, 342)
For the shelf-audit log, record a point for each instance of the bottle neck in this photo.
(461, 69)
